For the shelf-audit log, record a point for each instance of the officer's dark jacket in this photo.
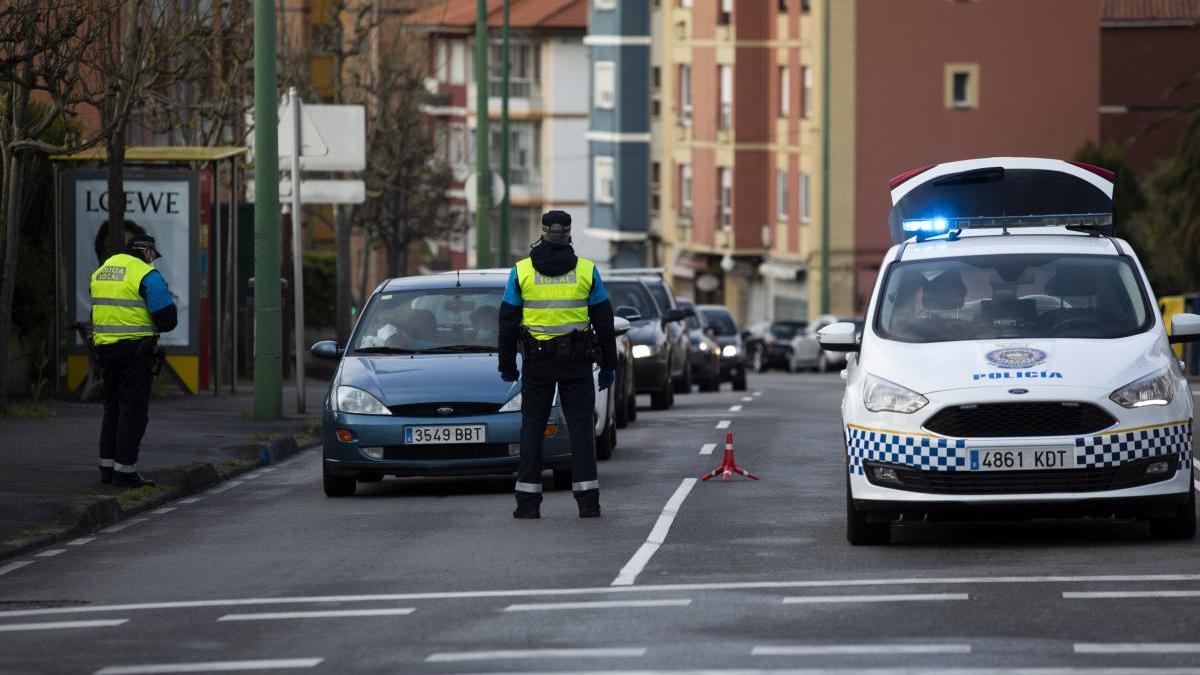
(553, 259)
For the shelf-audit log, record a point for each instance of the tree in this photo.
(1128, 197)
(1172, 218)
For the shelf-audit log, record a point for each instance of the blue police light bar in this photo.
(1089, 223)
(927, 225)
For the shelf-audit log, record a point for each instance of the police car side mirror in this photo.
(689, 312)
(839, 337)
(1185, 328)
(327, 349)
(628, 313)
(620, 326)
(674, 315)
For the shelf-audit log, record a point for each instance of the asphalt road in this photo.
(434, 576)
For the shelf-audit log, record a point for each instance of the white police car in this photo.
(1013, 362)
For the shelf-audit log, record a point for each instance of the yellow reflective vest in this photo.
(118, 308)
(554, 306)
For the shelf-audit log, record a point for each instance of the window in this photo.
(725, 180)
(805, 6)
(606, 4)
(685, 94)
(458, 141)
(604, 84)
(781, 193)
(685, 3)
(804, 197)
(603, 185)
(785, 92)
(725, 12)
(441, 61)
(457, 63)
(962, 85)
(524, 161)
(783, 5)
(806, 94)
(523, 66)
(725, 80)
(685, 191)
(654, 186)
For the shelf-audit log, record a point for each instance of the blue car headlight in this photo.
(354, 400)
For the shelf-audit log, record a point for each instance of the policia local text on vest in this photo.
(131, 305)
(556, 311)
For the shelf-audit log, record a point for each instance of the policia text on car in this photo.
(555, 307)
(130, 307)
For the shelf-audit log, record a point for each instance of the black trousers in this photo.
(127, 383)
(578, 396)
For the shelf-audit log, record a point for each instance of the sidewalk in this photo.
(50, 487)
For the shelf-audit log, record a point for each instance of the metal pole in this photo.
(297, 249)
(268, 362)
(233, 276)
(215, 270)
(825, 124)
(505, 246)
(483, 174)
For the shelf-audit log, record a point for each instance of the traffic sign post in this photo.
(268, 362)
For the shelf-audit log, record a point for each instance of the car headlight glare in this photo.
(642, 351)
(513, 405)
(1157, 388)
(729, 350)
(356, 401)
(879, 395)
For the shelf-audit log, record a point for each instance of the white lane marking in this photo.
(758, 393)
(735, 408)
(210, 666)
(113, 529)
(252, 476)
(191, 500)
(708, 448)
(81, 541)
(330, 614)
(602, 604)
(747, 399)
(1197, 482)
(59, 625)
(723, 424)
(1196, 392)
(658, 535)
(1137, 647)
(605, 590)
(51, 553)
(165, 509)
(841, 650)
(226, 487)
(890, 671)
(266, 469)
(13, 567)
(1117, 595)
(595, 653)
(911, 597)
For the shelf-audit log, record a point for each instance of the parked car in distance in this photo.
(769, 343)
(704, 354)
(654, 354)
(677, 331)
(805, 347)
(733, 352)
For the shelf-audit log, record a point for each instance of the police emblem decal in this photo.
(1016, 357)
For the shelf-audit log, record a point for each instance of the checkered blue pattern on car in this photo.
(922, 452)
(1123, 446)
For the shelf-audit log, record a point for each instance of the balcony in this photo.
(516, 89)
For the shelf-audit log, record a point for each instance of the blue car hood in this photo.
(400, 380)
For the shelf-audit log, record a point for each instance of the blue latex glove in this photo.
(510, 376)
(606, 379)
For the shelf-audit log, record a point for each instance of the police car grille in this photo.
(432, 409)
(437, 453)
(1034, 418)
(1131, 474)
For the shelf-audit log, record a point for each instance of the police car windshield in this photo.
(632, 294)
(1012, 296)
(449, 320)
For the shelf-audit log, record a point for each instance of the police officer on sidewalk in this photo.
(130, 307)
(555, 309)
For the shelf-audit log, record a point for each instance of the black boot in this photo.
(589, 510)
(131, 480)
(589, 503)
(527, 512)
(106, 474)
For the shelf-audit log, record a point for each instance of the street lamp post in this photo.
(483, 175)
(505, 246)
(268, 338)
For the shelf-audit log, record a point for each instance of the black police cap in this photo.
(556, 221)
(143, 242)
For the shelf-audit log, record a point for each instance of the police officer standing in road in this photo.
(555, 307)
(130, 307)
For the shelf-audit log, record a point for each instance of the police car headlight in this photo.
(359, 402)
(642, 351)
(879, 395)
(729, 350)
(513, 405)
(1157, 388)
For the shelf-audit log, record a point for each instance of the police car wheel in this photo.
(338, 486)
(859, 532)
(622, 411)
(1181, 526)
(631, 401)
(562, 479)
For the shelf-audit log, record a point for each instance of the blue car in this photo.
(417, 392)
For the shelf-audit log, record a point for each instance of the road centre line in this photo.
(51, 553)
(81, 541)
(723, 424)
(113, 529)
(604, 590)
(758, 393)
(191, 500)
(601, 604)
(163, 510)
(1118, 595)
(328, 614)
(13, 567)
(59, 625)
(707, 448)
(911, 597)
(600, 652)
(658, 535)
(735, 408)
(847, 650)
(226, 487)
(210, 666)
(1137, 648)
(747, 399)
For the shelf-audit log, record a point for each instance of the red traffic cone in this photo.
(728, 466)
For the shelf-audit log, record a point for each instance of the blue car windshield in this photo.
(431, 321)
